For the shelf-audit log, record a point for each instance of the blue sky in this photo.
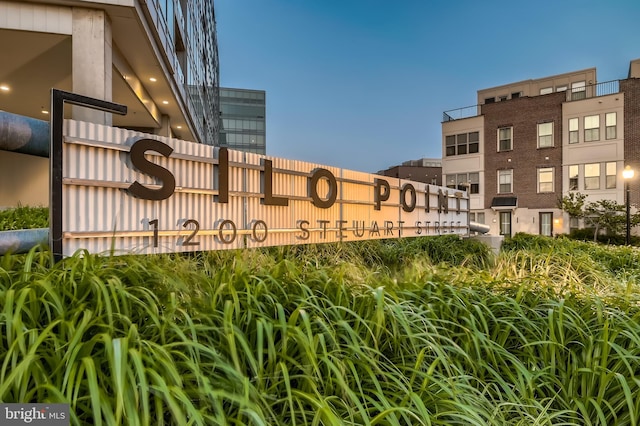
(362, 84)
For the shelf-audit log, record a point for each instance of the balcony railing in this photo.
(573, 94)
(457, 114)
(593, 90)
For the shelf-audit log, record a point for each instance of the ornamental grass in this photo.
(424, 331)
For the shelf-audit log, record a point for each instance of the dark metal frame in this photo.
(58, 99)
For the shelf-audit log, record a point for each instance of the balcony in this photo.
(593, 90)
(573, 94)
(460, 113)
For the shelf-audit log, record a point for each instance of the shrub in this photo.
(24, 217)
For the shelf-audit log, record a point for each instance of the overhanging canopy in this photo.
(504, 203)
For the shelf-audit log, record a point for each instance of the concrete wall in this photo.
(24, 180)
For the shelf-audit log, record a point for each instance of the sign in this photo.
(128, 192)
(34, 414)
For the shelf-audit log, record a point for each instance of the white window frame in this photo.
(611, 126)
(503, 177)
(591, 128)
(578, 90)
(510, 138)
(592, 173)
(545, 179)
(545, 135)
(611, 174)
(574, 174)
(574, 130)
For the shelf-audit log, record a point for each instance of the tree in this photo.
(573, 204)
(604, 215)
(607, 215)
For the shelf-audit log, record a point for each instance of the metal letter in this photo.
(378, 196)
(138, 149)
(407, 187)
(223, 176)
(266, 184)
(316, 175)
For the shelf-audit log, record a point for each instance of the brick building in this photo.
(427, 170)
(527, 144)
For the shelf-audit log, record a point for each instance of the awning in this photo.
(504, 203)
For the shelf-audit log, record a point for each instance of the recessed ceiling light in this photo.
(178, 127)
(153, 79)
(165, 102)
(4, 88)
(44, 111)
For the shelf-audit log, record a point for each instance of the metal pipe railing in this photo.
(24, 134)
(23, 240)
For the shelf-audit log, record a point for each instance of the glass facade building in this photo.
(243, 120)
(188, 29)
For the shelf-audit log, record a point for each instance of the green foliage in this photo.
(24, 217)
(409, 332)
(586, 234)
(573, 203)
(608, 216)
(605, 215)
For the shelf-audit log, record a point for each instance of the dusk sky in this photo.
(362, 84)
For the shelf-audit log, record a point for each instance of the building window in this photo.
(546, 224)
(476, 217)
(464, 143)
(464, 182)
(578, 90)
(592, 176)
(504, 139)
(545, 179)
(573, 178)
(505, 223)
(561, 89)
(514, 95)
(474, 142)
(489, 100)
(574, 223)
(450, 142)
(546, 90)
(474, 181)
(592, 128)
(610, 123)
(545, 135)
(573, 130)
(505, 180)
(611, 174)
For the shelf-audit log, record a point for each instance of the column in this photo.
(91, 62)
